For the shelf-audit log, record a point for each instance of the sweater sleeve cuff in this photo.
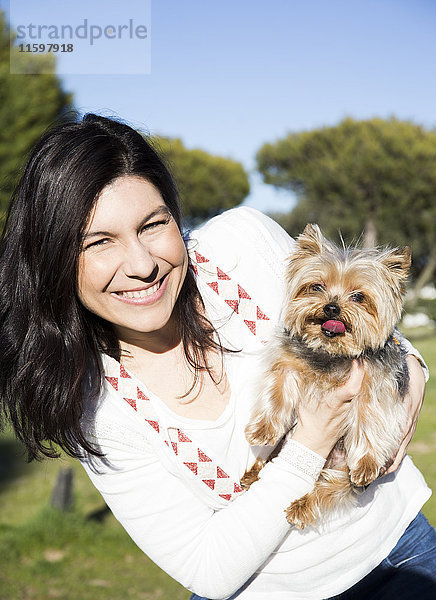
(300, 460)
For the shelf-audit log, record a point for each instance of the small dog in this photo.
(341, 304)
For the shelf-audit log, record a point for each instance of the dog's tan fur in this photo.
(367, 287)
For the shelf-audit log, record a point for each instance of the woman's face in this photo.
(133, 260)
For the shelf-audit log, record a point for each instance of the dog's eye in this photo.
(357, 297)
(317, 287)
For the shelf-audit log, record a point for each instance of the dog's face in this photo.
(343, 300)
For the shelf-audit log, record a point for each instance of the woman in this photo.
(140, 358)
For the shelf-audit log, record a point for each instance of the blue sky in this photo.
(228, 76)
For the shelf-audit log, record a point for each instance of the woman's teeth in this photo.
(141, 293)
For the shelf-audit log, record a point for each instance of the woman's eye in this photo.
(358, 297)
(96, 244)
(155, 224)
(317, 287)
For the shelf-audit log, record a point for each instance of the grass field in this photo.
(423, 447)
(84, 554)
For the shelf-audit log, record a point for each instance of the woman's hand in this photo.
(413, 401)
(320, 424)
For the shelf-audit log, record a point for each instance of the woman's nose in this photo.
(140, 262)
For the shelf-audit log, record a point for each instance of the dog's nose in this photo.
(331, 310)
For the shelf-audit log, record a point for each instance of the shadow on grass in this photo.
(12, 461)
(99, 515)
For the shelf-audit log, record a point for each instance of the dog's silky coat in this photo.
(341, 304)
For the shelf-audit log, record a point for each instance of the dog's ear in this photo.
(311, 241)
(397, 261)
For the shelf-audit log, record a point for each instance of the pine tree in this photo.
(207, 184)
(374, 178)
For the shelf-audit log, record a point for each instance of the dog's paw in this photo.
(365, 472)
(300, 513)
(247, 479)
(252, 475)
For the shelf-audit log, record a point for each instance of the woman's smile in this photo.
(144, 295)
(133, 260)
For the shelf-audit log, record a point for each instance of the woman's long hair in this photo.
(50, 343)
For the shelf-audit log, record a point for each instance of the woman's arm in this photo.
(211, 553)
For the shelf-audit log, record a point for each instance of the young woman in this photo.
(137, 351)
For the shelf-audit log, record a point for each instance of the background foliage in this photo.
(376, 177)
(29, 103)
(208, 184)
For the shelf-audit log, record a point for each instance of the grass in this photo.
(64, 555)
(84, 554)
(423, 446)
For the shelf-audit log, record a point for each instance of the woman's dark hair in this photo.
(50, 343)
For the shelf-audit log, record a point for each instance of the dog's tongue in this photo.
(334, 326)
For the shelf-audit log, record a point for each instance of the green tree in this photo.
(207, 184)
(29, 102)
(376, 176)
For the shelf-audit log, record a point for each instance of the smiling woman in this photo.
(140, 352)
(112, 225)
(133, 261)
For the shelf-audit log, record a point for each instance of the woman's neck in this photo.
(149, 343)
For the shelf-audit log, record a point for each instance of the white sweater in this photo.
(210, 546)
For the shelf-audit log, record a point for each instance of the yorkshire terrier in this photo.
(341, 304)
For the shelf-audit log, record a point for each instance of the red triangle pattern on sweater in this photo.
(202, 457)
(242, 293)
(141, 395)
(182, 437)
(199, 258)
(261, 315)
(113, 381)
(220, 472)
(249, 309)
(192, 466)
(222, 275)
(234, 305)
(123, 373)
(131, 401)
(251, 326)
(154, 424)
(214, 286)
(252, 312)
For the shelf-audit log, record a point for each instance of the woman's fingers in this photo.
(350, 389)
